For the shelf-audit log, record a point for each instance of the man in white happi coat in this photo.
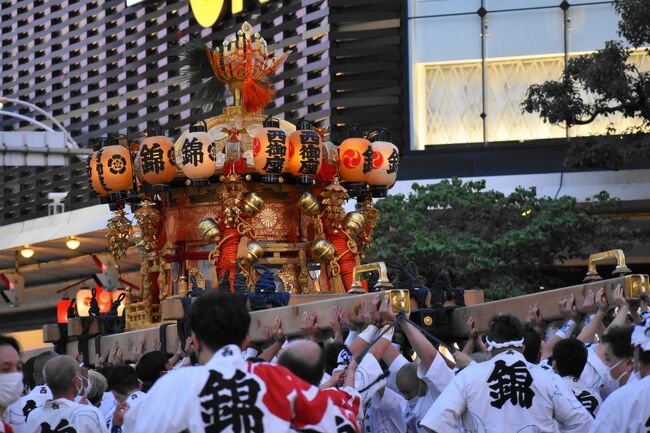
(569, 360)
(62, 414)
(420, 384)
(227, 394)
(627, 410)
(506, 393)
(17, 412)
(125, 387)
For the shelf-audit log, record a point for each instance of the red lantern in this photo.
(355, 159)
(62, 310)
(155, 162)
(104, 299)
(270, 151)
(385, 163)
(197, 154)
(305, 153)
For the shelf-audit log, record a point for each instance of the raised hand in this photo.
(471, 328)
(386, 314)
(589, 303)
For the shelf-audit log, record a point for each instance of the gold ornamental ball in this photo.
(253, 204)
(208, 230)
(353, 223)
(309, 204)
(323, 251)
(254, 252)
(428, 321)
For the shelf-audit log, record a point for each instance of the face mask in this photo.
(612, 383)
(11, 387)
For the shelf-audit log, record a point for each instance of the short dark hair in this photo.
(6, 340)
(309, 372)
(620, 340)
(331, 355)
(123, 379)
(532, 344)
(570, 356)
(505, 327)
(219, 319)
(150, 366)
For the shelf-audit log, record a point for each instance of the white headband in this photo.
(491, 345)
(641, 335)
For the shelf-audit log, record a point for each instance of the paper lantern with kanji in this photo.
(270, 151)
(197, 153)
(111, 169)
(97, 183)
(355, 159)
(305, 153)
(385, 161)
(155, 161)
(62, 310)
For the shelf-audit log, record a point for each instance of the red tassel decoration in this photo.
(256, 95)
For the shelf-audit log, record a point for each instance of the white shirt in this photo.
(482, 395)
(367, 372)
(229, 394)
(595, 373)
(590, 401)
(385, 414)
(107, 406)
(62, 413)
(18, 411)
(437, 377)
(132, 400)
(626, 410)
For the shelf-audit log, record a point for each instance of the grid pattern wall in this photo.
(100, 67)
(368, 57)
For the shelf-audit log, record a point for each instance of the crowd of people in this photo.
(380, 373)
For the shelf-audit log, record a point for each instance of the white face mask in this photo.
(612, 383)
(11, 387)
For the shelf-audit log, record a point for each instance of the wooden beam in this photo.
(291, 317)
(633, 285)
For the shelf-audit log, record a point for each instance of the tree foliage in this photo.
(613, 84)
(507, 245)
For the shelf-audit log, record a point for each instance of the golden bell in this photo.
(309, 204)
(254, 252)
(323, 251)
(208, 230)
(353, 223)
(253, 204)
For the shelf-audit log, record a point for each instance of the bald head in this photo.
(39, 365)
(60, 372)
(408, 382)
(303, 358)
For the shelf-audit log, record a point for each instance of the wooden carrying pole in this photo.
(291, 317)
(634, 286)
